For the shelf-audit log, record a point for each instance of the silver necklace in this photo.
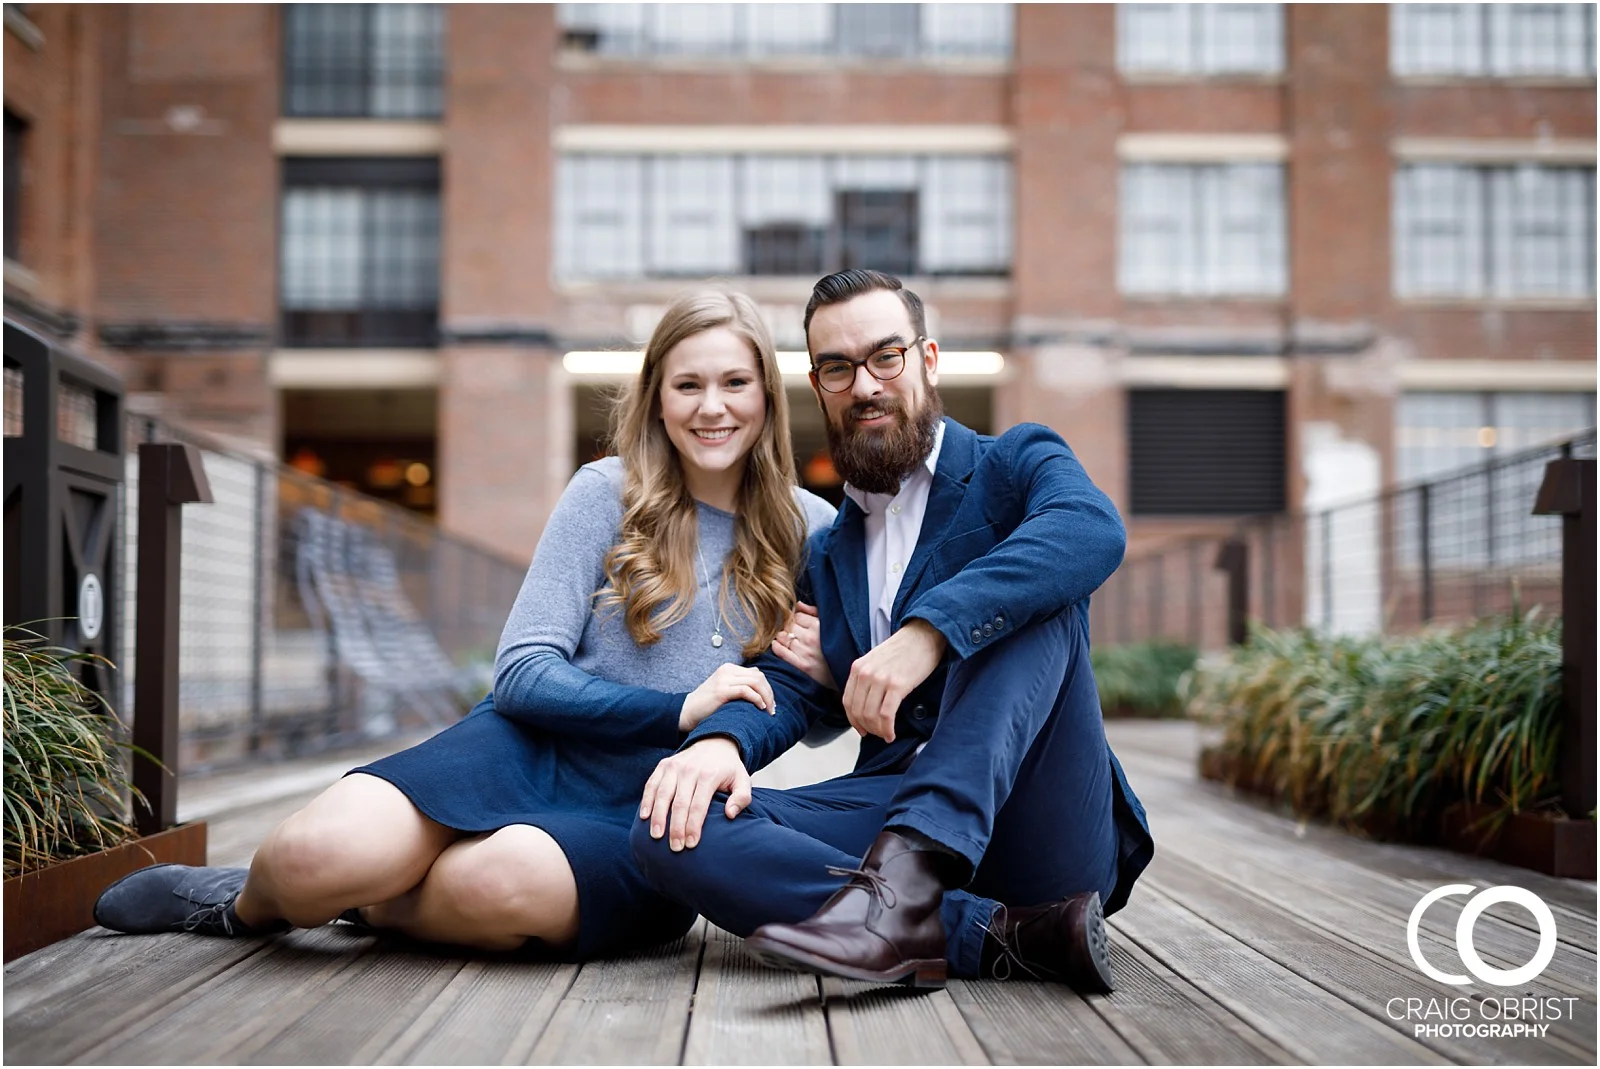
(716, 635)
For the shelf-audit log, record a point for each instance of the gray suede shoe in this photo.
(177, 898)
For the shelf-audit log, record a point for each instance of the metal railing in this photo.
(1449, 549)
(313, 615)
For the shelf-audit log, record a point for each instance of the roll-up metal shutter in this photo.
(1206, 452)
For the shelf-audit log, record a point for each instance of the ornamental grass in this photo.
(1142, 678)
(66, 781)
(1383, 733)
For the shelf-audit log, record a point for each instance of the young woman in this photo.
(659, 569)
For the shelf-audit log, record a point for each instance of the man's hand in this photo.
(880, 680)
(679, 791)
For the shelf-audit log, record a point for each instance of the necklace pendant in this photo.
(716, 641)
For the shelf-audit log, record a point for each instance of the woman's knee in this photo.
(354, 834)
(518, 874)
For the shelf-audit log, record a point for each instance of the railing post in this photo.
(1327, 569)
(170, 475)
(258, 599)
(1425, 539)
(1568, 491)
(1234, 558)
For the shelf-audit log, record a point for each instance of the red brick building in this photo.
(1244, 258)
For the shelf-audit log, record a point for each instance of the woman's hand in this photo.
(729, 683)
(800, 644)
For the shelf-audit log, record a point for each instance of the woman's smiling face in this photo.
(714, 407)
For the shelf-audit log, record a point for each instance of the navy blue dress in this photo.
(581, 714)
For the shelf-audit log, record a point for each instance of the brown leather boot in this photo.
(1063, 941)
(883, 926)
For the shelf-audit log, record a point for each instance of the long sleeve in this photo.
(1067, 541)
(535, 681)
(800, 700)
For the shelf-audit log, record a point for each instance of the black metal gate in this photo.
(64, 468)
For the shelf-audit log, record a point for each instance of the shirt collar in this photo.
(864, 499)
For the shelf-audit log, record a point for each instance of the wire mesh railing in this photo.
(311, 615)
(1449, 549)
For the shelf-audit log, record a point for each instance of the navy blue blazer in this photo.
(1014, 532)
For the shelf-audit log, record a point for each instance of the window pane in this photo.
(403, 236)
(1439, 231)
(407, 60)
(785, 189)
(693, 29)
(321, 265)
(967, 29)
(611, 29)
(1155, 37)
(966, 224)
(1198, 229)
(790, 29)
(877, 29)
(1436, 38)
(372, 60)
(600, 217)
(1242, 38)
(692, 227)
(326, 58)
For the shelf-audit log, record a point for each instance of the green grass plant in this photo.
(1383, 732)
(66, 783)
(1142, 678)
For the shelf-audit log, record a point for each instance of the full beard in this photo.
(878, 461)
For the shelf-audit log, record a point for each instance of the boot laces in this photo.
(211, 917)
(869, 881)
(1010, 948)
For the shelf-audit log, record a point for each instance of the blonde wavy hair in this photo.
(651, 569)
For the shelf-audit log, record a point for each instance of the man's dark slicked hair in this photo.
(842, 286)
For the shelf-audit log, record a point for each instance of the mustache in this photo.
(891, 406)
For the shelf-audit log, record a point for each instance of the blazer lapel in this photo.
(950, 479)
(846, 559)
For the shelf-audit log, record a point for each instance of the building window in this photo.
(1492, 40)
(866, 31)
(1200, 39)
(691, 216)
(1480, 516)
(1491, 231)
(1206, 452)
(15, 161)
(1441, 432)
(360, 252)
(1202, 230)
(373, 61)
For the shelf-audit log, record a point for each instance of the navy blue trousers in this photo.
(1016, 778)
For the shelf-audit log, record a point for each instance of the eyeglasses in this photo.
(838, 374)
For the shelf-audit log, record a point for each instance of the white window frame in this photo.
(1495, 212)
(1194, 40)
(1193, 202)
(1490, 41)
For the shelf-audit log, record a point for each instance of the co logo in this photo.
(1469, 919)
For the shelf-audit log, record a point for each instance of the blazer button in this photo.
(977, 636)
(919, 712)
(988, 630)
(999, 622)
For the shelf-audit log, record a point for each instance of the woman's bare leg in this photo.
(360, 841)
(493, 892)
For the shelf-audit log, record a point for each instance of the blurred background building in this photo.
(1246, 258)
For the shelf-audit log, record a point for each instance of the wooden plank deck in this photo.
(1251, 940)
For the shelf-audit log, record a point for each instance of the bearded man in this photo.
(987, 827)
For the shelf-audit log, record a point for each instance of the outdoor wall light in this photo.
(794, 365)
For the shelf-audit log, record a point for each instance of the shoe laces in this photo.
(210, 917)
(1010, 948)
(868, 880)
